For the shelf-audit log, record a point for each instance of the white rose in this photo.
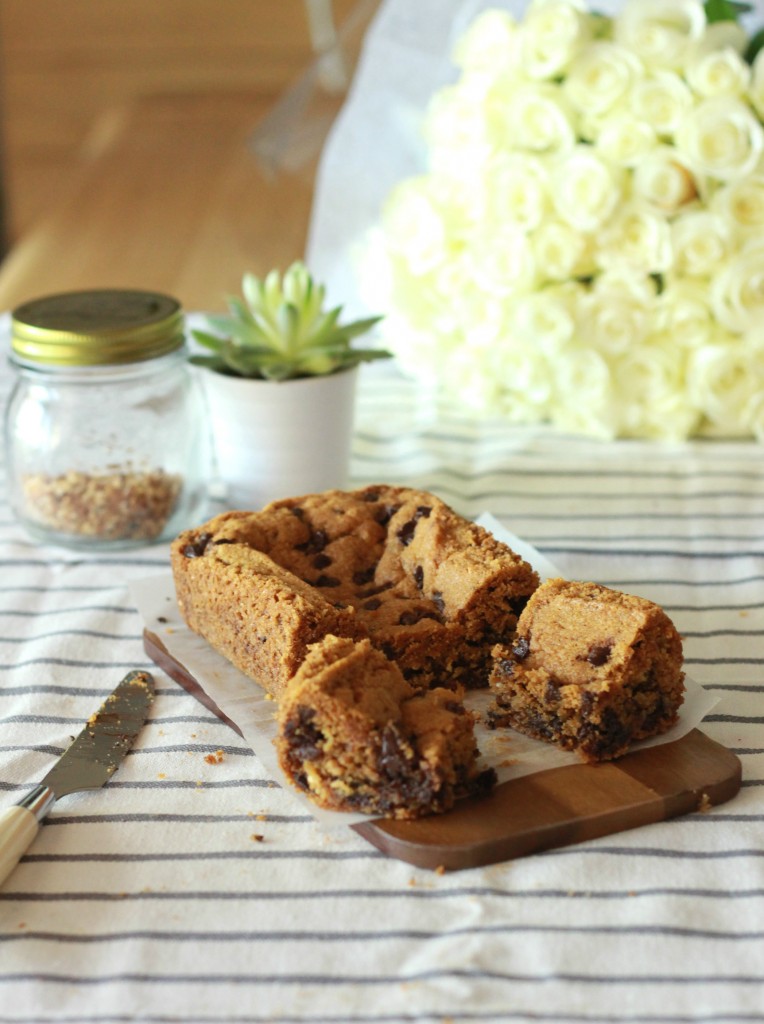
(414, 224)
(534, 118)
(455, 129)
(490, 44)
(722, 138)
(516, 189)
(552, 33)
(662, 100)
(700, 241)
(583, 393)
(718, 73)
(683, 315)
(545, 320)
(585, 189)
(624, 140)
(648, 382)
(637, 238)
(722, 380)
(662, 181)
(737, 289)
(600, 77)
(741, 204)
(561, 251)
(756, 86)
(500, 259)
(660, 32)
(615, 320)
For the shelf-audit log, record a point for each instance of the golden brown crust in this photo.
(431, 589)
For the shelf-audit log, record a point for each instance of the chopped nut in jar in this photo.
(110, 506)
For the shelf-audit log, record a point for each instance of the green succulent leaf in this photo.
(278, 329)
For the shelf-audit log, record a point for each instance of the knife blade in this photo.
(88, 763)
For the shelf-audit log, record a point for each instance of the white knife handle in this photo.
(18, 827)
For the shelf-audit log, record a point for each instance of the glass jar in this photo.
(107, 437)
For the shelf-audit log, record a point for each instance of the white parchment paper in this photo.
(511, 754)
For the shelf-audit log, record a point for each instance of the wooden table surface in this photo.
(175, 200)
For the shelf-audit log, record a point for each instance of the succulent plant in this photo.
(280, 330)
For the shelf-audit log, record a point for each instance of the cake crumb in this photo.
(257, 837)
(216, 758)
(440, 869)
(161, 775)
(704, 804)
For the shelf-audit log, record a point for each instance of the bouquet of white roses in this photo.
(586, 247)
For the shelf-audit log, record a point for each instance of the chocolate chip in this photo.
(373, 591)
(371, 496)
(302, 735)
(517, 604)
(298, 512)
(315, 543)
(413, 615)
(327, 581)
(455, 707)
(363, 576)
(521, 648)
(599, 654)
(406, 533)
(506, 666)
(386, 513)
(393, 759)
(437, 600)
(419, 576)
(321, 561)
(197, 547)
(372, 605)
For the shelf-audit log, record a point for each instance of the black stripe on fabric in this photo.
(77, 563)
(218, 855)
(407, 934)
(271, 895)
(653, 553)
(417, 1017)
(79, 663)
(112, 608)
(371, 854)
(16, 787)
(94, 633)
(339, 980)
(266, 818)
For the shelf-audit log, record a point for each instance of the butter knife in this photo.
(88, 763)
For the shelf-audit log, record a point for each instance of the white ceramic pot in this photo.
(279, 439)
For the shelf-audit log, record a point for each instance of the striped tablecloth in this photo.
(154, 899)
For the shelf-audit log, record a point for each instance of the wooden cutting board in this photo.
(554, 808)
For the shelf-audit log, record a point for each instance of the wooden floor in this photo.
(167, 193)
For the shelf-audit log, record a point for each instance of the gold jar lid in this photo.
(96, 328)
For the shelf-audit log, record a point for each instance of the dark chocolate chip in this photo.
(327, 581)
(437, 600)
(321, 561)
(517, 604)
(406, 533)
(393, 759)
(363, 576)
(386, 513)
(419, 576)
(197, 547)
(371, 496)
(521, 648)
(302, 735)
(455, 707)
(315, 543)
(599, 654)
(371, 605)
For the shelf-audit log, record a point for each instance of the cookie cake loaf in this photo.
(430, 589)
